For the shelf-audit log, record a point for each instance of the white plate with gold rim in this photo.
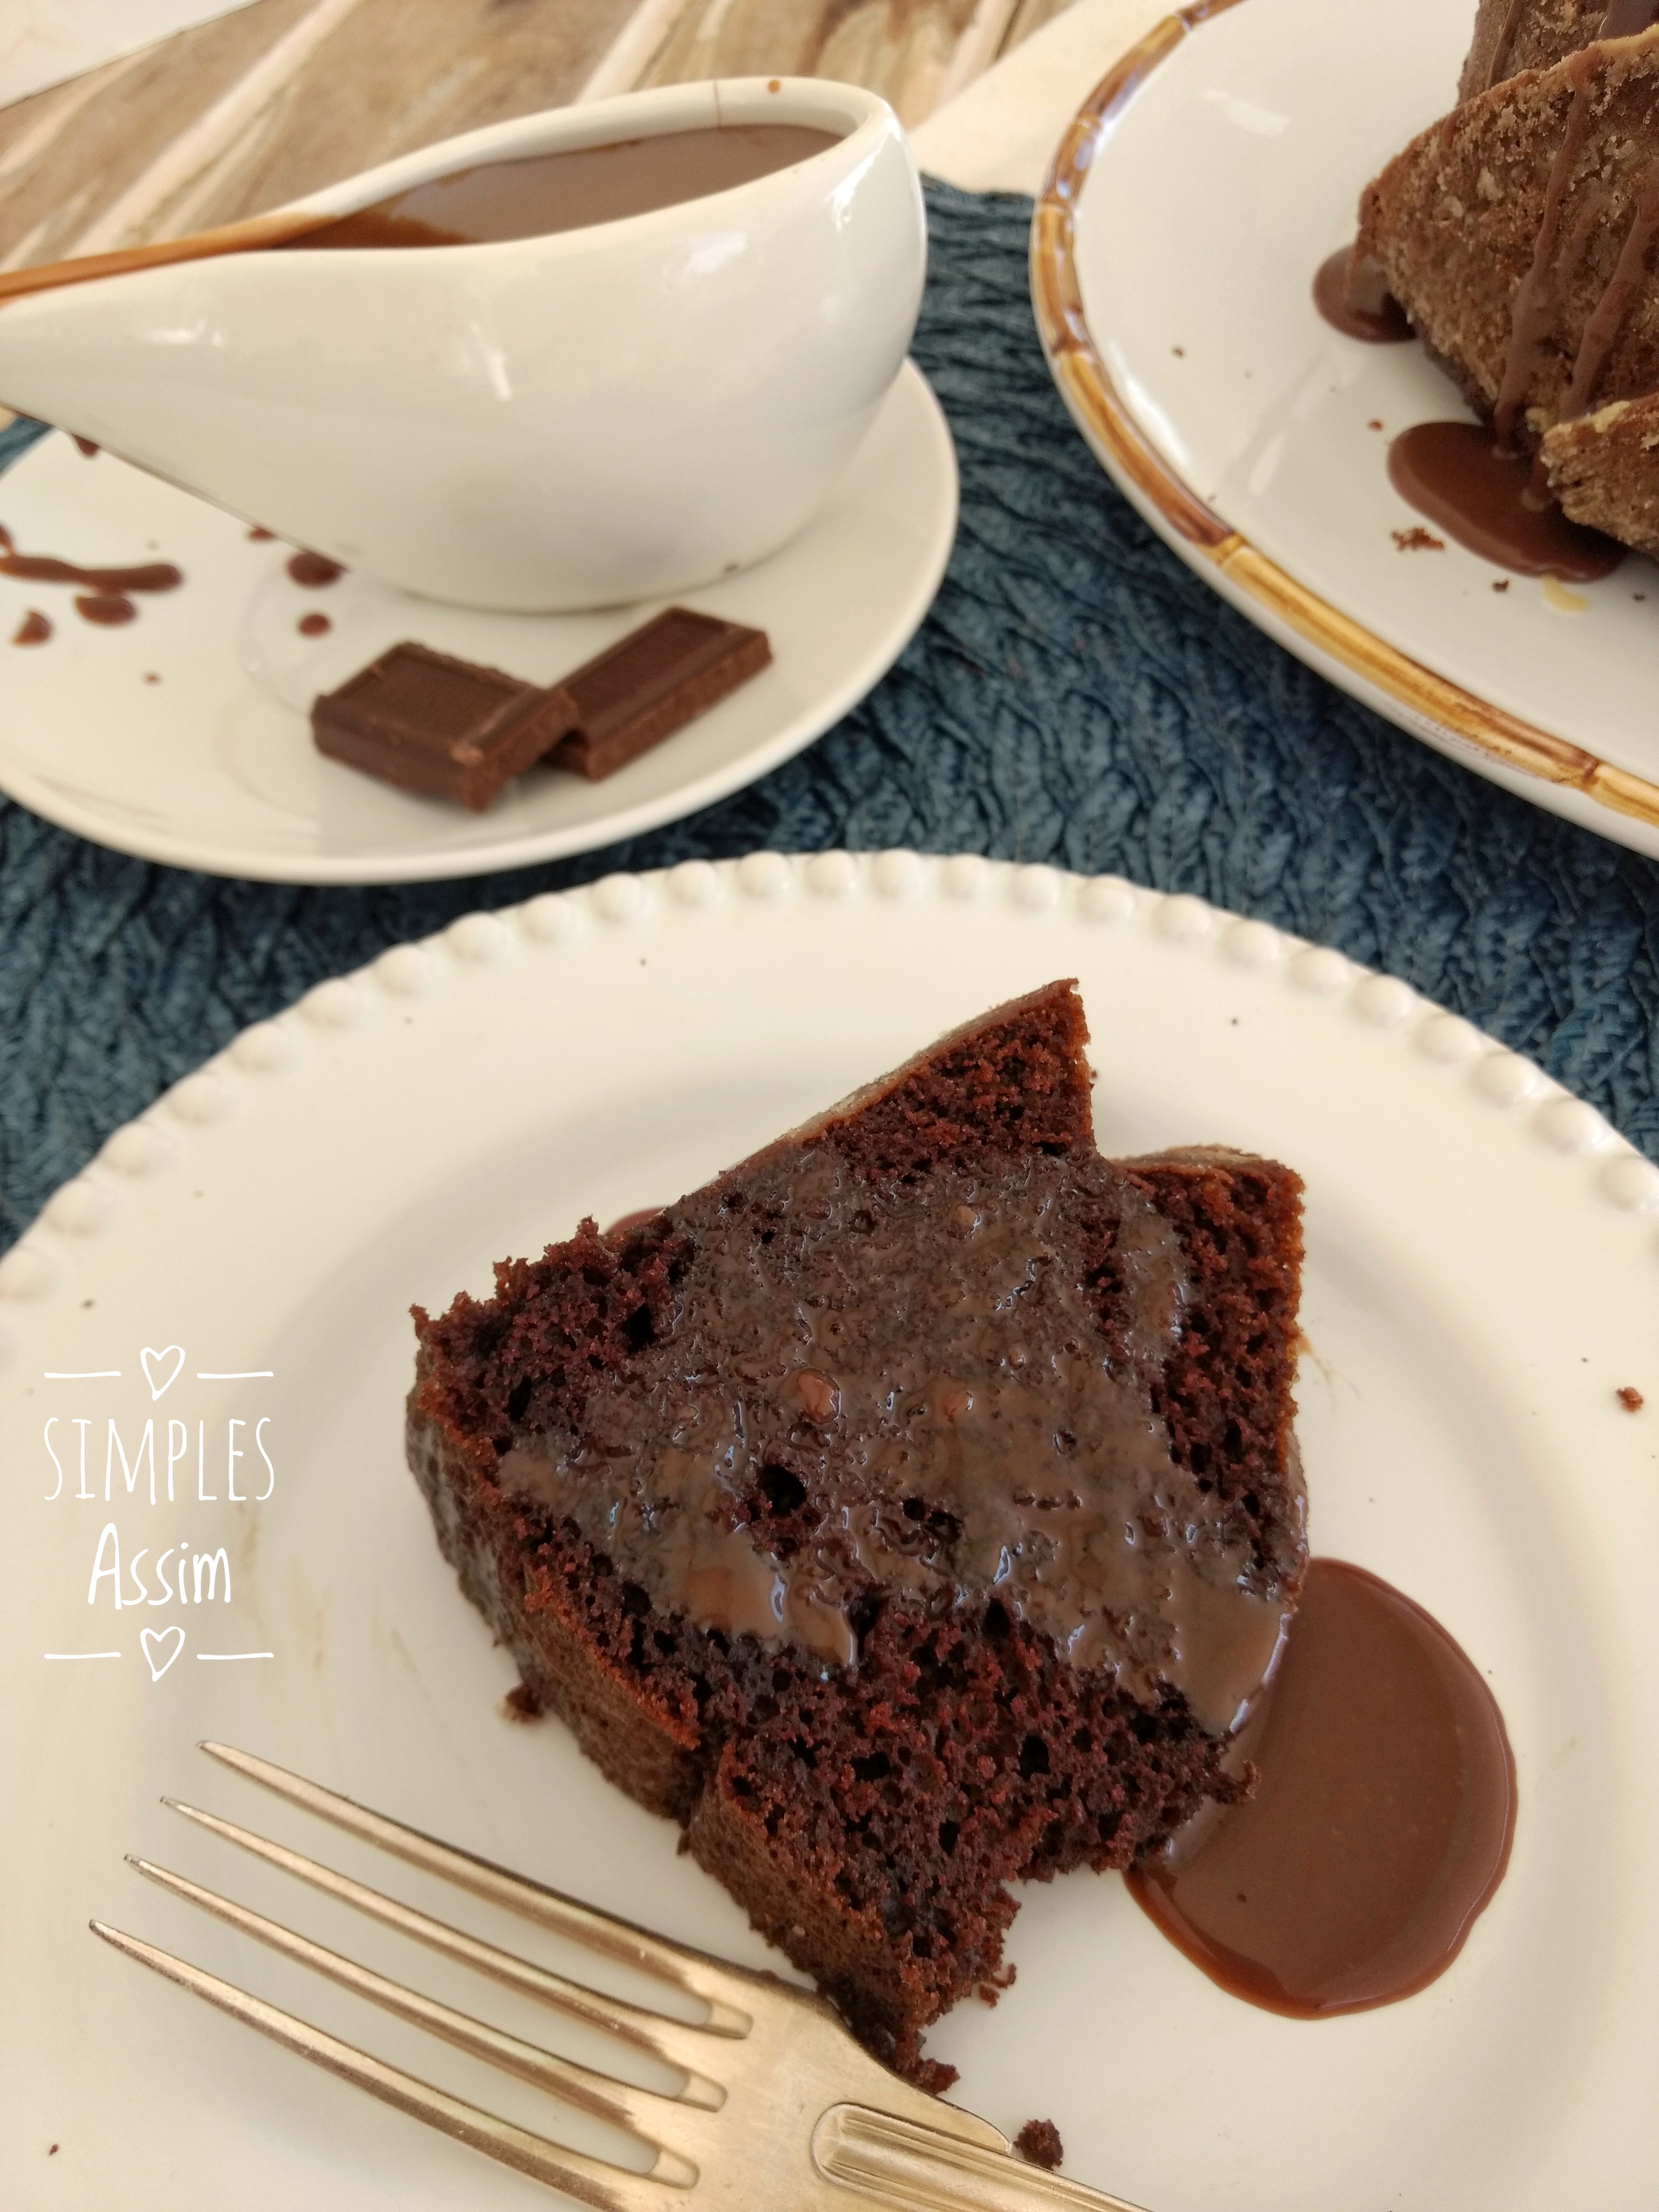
(183, 736)
(1172, 259)
(1482, 1278)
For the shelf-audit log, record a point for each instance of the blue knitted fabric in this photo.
(1076, 696)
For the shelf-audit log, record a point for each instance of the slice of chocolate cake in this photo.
(910, 1511)
(1604, 470)
(1517, 234)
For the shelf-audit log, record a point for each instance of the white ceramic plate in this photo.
(1172, 264)
(213, 766)
(1483, 1274)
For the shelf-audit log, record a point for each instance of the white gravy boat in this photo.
(594, 415)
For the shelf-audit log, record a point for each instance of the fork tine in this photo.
(641, 2111)
(590, 2180)
(599, 1931)
(669, 2039)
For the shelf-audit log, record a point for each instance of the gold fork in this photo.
(779, 2108)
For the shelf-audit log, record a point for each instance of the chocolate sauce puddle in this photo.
(1487, 501)
(1380, 1827)
(1364, 309)
(33, 629)
(571, 188)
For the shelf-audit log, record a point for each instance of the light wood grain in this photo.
(899, 48)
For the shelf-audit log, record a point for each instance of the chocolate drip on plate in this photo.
(106, 610)
(41, 569)
(1381, 1823)
(1490, 502)
(315, 570)
(1354, 299)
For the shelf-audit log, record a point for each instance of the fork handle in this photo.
(919, 2169)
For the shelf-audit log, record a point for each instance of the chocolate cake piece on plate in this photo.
(1604, 470)
(910, 1511)
(1517, 232)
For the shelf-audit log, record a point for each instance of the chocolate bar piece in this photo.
(443, 728)
(653, 680)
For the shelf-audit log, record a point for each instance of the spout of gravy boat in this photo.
(591, 415)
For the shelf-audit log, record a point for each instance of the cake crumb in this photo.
(1417, 540)
(1179, 352)
(521, 1704)
(1038, 2144)
(1502, 585)
(1373, 424)
(1631, 1399)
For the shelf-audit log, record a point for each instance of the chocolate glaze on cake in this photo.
(1512, 35)
(911, 1511)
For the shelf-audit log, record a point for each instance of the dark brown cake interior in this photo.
(876, 1638)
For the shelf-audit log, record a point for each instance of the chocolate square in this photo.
(652, 681)
(446, 728)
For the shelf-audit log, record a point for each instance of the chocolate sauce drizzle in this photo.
(1625, 19)
(1500, 52)
(921, 1406)
(1628, 19)
(1606, 318)
(105, 601)
(1534, 309)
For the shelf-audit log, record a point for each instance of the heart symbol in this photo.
(175, 1352)
(171, 1640)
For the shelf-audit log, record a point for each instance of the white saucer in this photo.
(1190, 203)
(212, 766)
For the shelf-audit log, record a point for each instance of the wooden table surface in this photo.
(284, 96)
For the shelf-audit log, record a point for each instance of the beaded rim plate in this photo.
(183, 737)
(1173, 250)
(1482, 1279)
